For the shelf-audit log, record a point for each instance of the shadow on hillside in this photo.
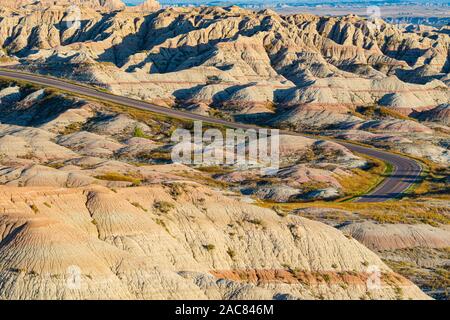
(39, 113)
(167, 59)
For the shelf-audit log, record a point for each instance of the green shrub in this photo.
(115, 176)
(139, 133)
(209, 247)
(139, 206)
(257, 222)
(34, 208)
(163, 206)
(231, 253)
(72, 128)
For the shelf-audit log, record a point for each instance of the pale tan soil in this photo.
(126, 248)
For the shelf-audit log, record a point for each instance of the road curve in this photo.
(405, 170)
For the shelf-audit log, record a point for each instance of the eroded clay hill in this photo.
(102, 5)
(238, 61)
(175, 241)
(91, 208)
(369, 81)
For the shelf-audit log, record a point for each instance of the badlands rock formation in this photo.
(416, 250)
(300, 72)
(146, 6)
(39, 126)
(88, 211)
(123, 245)
(89, 189)
(236, 60)
(390, 237)
(440, 114)
(104, 5)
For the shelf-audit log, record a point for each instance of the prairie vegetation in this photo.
(435, 184)
(163, 206)
(115, 176)
(362, 181)
(403, 211)
(371, 112)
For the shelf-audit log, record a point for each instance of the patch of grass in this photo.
(215, 113)
(386, 112)
(160, 124)
(312, 186)
(29, 156)
(362, 181)
(5, 59)
(206, 179)
(398, 293)
(371, 112)
(155, 155)
(115, 176)
(209, 247)
(433, 184)
(402, 211)
(139, 133)
(215, 169)
(257, 222)
(279, 210)
(231, 253)
(163, 206)
(286, 266)
(430, 278)
(72, 128)
(139, 206)
(34, 208)
(161, 223)
(176, 190)
(55, 165)
(441, 278)
(6, 82)
(326, 277)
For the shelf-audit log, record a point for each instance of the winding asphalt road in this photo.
(405, 171)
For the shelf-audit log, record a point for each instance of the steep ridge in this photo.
(238, 61)
(91, 208)
(204, 246)
(106, 5)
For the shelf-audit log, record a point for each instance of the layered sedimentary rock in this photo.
(238, 61)
(146, 6)
(96, 243)
(108, 5)
(92, 208)
(88, 210)
(391, 237)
